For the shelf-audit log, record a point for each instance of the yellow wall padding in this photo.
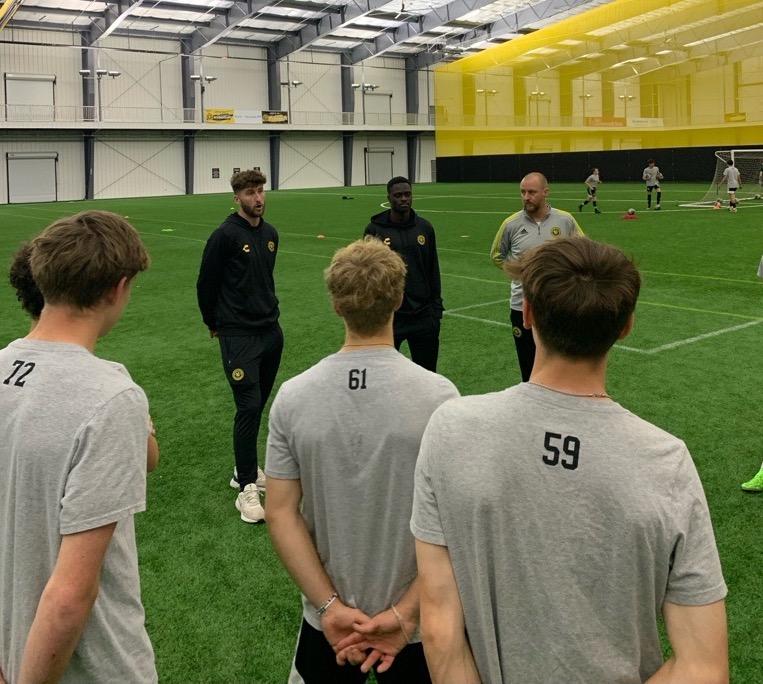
(631, 74)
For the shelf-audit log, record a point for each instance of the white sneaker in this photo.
(261, 480)
(248, 504)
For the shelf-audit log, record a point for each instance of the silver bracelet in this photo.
(400, 622)
(326, 605)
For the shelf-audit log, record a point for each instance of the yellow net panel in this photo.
(632, 74)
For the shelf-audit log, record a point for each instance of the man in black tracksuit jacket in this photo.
(404, 231)
(238, 303)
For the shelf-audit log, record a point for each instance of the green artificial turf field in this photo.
(220, 608)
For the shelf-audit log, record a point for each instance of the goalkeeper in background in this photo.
(652, 176)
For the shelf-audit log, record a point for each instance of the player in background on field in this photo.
(342, 447)
(552, 524)
(413, 237)
(32, 302)
(592, 182)
(733, 182)
(238, 303)
(536, 223)
(73, 469)
(652, 176)
(756, 484)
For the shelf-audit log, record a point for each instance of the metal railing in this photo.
(168, 115)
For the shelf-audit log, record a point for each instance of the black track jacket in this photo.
(235, 288)
(415, 242)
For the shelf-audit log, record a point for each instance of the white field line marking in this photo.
(476, 306)
(480, 320)
(653, 350)
(697, 338)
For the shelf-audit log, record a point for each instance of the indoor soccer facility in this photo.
(146, 108)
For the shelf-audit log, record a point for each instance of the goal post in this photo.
(748, 162)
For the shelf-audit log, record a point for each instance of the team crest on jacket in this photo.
(421, 239)
(387, 242)
(246, 249)
(272, 246)
(517, 331)
(237, 374)
(556, 231)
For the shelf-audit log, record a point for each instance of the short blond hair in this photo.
(77, 260)
(366, 281)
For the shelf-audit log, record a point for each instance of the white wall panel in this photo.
(150, 78)
(395, 142)
(389, 75)
(227, 151)
(426, 157)
(320, 93)
(143, 165)
(242, 81)
(63, 62)
(71, 164)
(311, 161)
(426, 90)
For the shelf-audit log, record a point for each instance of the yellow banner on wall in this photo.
(219, 116)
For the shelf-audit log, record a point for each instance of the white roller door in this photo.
(31, 177)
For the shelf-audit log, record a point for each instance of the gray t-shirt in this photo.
(519, 232)
(732, 176)
(651, 176)
(350, 429)
(72, 458)
(569, 521)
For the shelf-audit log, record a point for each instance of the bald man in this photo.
(533, 225)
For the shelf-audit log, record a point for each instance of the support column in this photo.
(88, 145)
(188, 86)
(275, 159)
(346, 73)
(348, 138)
(189, 156)
(411, 90)
(88, 83)
(274, 80)
(413, 140)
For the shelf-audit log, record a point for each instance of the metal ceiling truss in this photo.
(226, 25)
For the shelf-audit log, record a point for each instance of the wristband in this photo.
(326, 605)
(400, 622)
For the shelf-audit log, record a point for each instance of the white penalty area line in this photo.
(690, 340)
(653, 350)
(452, 312)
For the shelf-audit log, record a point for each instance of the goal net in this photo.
(748, 162)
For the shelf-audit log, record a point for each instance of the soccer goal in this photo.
(749, 163)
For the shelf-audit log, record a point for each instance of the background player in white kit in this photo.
(652, 176)
(591, 183)
(733, 182)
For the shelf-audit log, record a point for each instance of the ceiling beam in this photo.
(327, 24)
(440, 17)
(222, 26)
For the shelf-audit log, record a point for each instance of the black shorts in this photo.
(316, 663)
(649, 188)
(591, 191)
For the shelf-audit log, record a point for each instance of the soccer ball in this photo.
(631, 212)
(757, 196)
(657, 207)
